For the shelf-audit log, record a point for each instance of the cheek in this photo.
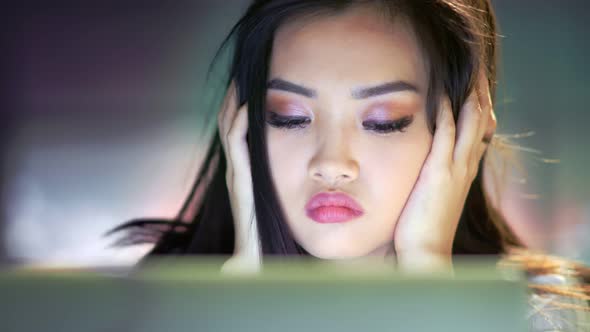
(392, 175)
(287, 158)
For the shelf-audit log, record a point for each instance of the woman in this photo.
(349, 129)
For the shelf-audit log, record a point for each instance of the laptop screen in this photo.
(191, 295)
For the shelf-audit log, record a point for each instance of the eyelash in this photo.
(287, 123)
(391, 126)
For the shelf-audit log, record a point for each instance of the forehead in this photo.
(357, 46)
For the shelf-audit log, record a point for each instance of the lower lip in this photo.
(332, 214)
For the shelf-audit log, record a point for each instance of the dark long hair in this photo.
(456, 37)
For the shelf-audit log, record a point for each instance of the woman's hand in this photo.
(424, 234)
(233, 127)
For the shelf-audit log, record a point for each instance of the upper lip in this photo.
(332, 199)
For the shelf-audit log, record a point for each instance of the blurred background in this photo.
(106, 120)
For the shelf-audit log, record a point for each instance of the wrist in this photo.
(248, 251)
(242, 263)
(424, 261)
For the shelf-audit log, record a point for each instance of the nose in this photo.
(333, 164)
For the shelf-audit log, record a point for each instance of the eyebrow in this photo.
(357, 93)
(279, 84)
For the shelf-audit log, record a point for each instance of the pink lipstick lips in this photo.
(332, 208)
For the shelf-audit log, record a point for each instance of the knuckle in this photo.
(447, 173)
(472, 174)
(462, 170)
(228, 138)
(449, 119)
(449, 132)
(447, 126)
(444, 176)
(232, 133)
(439, 173)
(493, 122)
(451, 129)
(477, 112)
(220, 119)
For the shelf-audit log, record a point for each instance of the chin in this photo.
(338, 249)
(342, 241)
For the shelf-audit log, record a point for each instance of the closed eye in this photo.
(291, 122)
(390, 126)
(287, 122)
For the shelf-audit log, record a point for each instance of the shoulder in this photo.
(552, 306)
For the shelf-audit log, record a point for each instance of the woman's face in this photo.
(344, 78)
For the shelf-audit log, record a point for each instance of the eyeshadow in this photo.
(286, 106)
(394, 107)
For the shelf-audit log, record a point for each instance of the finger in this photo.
(467, 129)
(481, 150)
(488, 122)
(238, 148)
(221, 113)
(227, 111)
(491, 127)
(444, 136)
(224, 117)
(485, 102)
